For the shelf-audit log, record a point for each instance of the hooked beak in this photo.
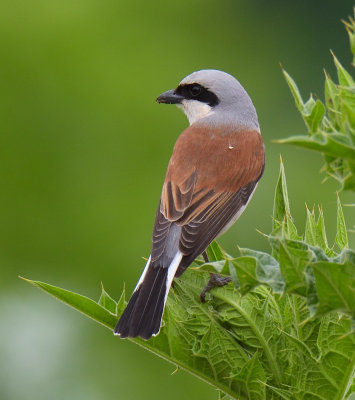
(170, 97)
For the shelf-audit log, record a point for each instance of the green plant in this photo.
(283, 329)
(331, 124)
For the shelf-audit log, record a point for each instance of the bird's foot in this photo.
(215, 280)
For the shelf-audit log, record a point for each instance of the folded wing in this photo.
(211, 176)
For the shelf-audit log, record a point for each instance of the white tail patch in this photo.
(141, 279)
(174, 265)
(172, 271)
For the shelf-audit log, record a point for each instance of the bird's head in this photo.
(212, 94)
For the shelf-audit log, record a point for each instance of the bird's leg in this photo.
(205, 256)
(215, 280)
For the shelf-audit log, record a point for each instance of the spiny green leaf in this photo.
(294, 90)
(314, 117)
(106, 301)
(337, 361)
(253, 378)
(251, 319)
(247, 347)
(255, 268)
(209, 347)
(350, 28)
(218, 260)
(312, 111)
(310, 234)
(121, 304)
(282, 223)
(301, 346)
(190, 336)
(281, 203)
(341, 237)
(259, 345)
(290, 230)
(323, 143)
(294, 257)
(222, 396)
(344, 77)
(347, 95)
(331, 128)
(332, 99)
(221, 267)
(278, 393)
(335, 283)
(246, 272)
(315, 233)
(233, 274)
(321, 234)
(79, 302)
(215, 252)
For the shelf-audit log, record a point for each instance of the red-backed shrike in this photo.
(212, 174)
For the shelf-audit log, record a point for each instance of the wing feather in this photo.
(210, 178)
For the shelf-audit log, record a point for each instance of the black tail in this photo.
(144, 311)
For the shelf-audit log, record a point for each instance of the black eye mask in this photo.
(195, 91)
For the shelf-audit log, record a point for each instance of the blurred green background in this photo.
(83, 152)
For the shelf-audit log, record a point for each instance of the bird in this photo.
(212, 174)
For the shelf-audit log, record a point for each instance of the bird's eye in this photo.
(195, 90)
